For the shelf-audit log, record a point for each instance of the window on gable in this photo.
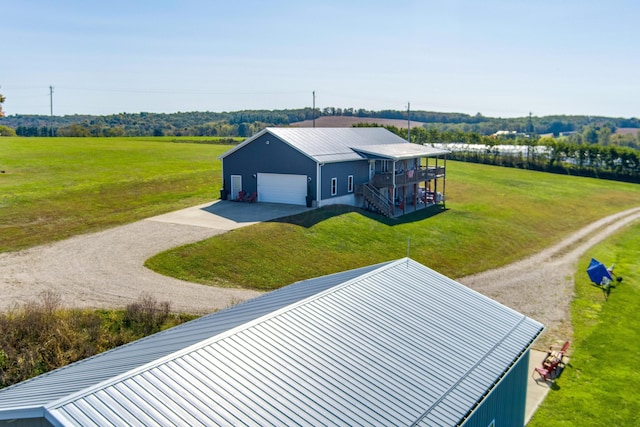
(334, 186)
(350, 184)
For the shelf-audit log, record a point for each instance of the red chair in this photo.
(552, 363)
(253, 197)
(546, 373)
(241, 196)
(556, 355)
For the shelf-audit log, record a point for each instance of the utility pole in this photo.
(409, 121)
(51, 110)
(314, 108)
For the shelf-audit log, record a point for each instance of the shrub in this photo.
(41, 336)
(146, 316)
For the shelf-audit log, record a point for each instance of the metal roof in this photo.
(329, 145)
(29, 397)
(400, 151)
(398, 344)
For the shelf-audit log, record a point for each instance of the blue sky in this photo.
(497, 57)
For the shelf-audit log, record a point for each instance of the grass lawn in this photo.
(54, 188)
(600, 385)
(494, 216)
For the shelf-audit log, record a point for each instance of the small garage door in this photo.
(282, 188)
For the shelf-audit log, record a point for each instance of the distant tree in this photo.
(244, 129)
(2, 98)
(590, 135)
(604, 135)
(6, 131)
(75, 130)
(558, 126)
(114, 131)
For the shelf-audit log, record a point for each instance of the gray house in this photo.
(364, 167)
(389, 344)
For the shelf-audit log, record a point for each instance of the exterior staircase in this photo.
(375, 201)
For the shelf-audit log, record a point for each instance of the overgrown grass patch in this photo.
(599, 386)
(40, 336)
(494, 216)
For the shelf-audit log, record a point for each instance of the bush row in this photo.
(40, 336)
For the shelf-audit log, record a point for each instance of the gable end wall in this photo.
(262, 157)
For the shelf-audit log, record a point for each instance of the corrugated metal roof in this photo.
(400, 151)
(328, 145)
(28, 397)
(398, 344)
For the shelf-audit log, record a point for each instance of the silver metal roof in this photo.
(329, 145)
(29, 397)
(396, 345)
(400, 151)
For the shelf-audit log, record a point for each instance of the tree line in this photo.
(590, 160)
(592, 153)
(589, 134)
(245, 123)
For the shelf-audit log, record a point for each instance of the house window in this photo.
(334, 186)
(350, 184)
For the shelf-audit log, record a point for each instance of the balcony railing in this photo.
(411, 176)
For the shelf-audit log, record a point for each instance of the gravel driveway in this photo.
(106, 269)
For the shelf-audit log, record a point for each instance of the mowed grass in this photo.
(600, 385)
(53, 188)
(494, 216)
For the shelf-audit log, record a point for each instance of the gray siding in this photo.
(359, 169)
(260, 157)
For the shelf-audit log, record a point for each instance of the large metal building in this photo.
(363, 167)
(390, 344)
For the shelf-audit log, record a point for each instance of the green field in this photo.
(600, 385)
(494, 216)
(54, 188)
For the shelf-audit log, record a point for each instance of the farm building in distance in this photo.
(364, 167)
(393, 344)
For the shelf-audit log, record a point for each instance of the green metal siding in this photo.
(27, 422)
(506, 403)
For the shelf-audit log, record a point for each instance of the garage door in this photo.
(282, 188)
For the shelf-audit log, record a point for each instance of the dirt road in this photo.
(541, 286)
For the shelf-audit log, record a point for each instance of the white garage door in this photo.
(282, 188)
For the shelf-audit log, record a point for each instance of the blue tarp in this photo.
(598, 273)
